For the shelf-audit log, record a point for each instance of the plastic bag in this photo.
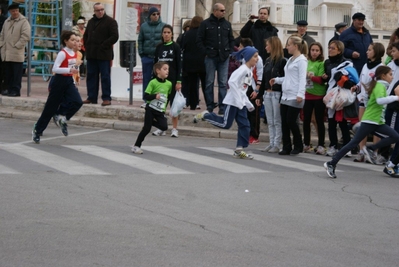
(178, 104)
(329, 98)
(344, 98)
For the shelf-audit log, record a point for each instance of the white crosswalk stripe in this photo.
(343, 162)
(51, 160)
(273, 160)
(6, 170)
(134, 161)
(229, 166)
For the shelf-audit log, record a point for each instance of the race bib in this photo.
(159, 104)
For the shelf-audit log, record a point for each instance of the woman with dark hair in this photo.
(169, 51)
(394, 38)
(193, 64)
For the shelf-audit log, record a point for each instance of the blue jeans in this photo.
(95, 69)
(212, 65)
(271, 100)
(232, 113)
(147, 63)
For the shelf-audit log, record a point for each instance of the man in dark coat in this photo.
(339, 28)
(302, 27)
(100, 35)
(3, 18)
(259, 31)
(356, 40)
(215, 39)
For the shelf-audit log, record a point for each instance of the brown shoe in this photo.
(106, 103)
(87, 101)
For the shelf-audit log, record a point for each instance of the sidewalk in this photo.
(119, 115)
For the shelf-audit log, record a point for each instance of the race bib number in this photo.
(159, 104)
(309, 84)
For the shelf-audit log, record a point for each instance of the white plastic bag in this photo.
(178, 104)
(329, 98)
(344, 98)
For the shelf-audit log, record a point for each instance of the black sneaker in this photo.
(55, 119)
(63, 125)
(330, 169)
(35, 135)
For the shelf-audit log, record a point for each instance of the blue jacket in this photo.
(149, 37)
(215, 38)
(356, 41)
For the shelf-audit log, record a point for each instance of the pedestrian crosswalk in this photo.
(158, 160)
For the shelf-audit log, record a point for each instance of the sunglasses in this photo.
(222, 10)
(155, 14)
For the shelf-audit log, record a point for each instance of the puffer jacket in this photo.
(13, 38)
(149, 37)
(215, 38)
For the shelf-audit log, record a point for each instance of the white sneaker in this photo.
(143, 105)
(266, 149)
(137, 150)
(331, 151)
(158, 132)
(274, 149)
(55, 120)
(175, 133)
(320, 150)
(200, 116)
(349, 154)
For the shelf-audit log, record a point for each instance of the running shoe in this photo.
(266, 149)
(274, 149)
(55, 120)
(369, 155)
(175, 133)
(240, 154)
(320, 150)
(359, 158)
(330, 169)
(158, 132)
(35, 135)
(331, 151)
(63, 125)
(137, 150)
(200, 116)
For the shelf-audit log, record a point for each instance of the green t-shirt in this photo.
(317, 67)
(164, 88)
(375, 113)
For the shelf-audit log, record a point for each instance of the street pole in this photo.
(67, 15)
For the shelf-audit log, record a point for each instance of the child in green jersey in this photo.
(156, 97)
(373, 120)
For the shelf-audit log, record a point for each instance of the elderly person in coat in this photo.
(100, 35)
(13, 38)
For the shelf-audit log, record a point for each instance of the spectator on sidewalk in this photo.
(356, 40)
(3, 18)
(13, 38)
(339, 28)
(100, 36)
(149, 37)
(215, 38)
(79, 30)
(302, 27)
(259, 31)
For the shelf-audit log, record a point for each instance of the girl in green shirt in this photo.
(373, 121)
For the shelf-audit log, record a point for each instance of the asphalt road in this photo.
(86, 200)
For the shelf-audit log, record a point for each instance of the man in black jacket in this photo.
(100, 36)
(215, 39)
(259, 31)
(339, 28)
(3, 18)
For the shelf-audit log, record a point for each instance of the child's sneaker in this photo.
(331, 151)
(137, 150)
(320, 150)
(200, 116)
(240, 154)
(274, 149)
(175, 133)
(307, 149)
(266, 149)
(63, 125)
(55, 119)
(35, 135)
(330, 169)
(253, 140)
(359, 158)
(158, 133)
(369, 155)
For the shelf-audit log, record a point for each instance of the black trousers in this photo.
(154, 118)
(62, 88)
(289, 118)
(13, 76)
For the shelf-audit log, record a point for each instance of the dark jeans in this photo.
(319, 111)
(232, 113)
(392, 119)
(364, 130)
(82, 67)
(95, 70)
(289, 117)
(213, 65)
(13, 76)
(62, 88)
(154, 118)
(254, 116)
(192, 88)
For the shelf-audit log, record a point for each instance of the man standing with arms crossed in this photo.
(215, 38)
(100, 35)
